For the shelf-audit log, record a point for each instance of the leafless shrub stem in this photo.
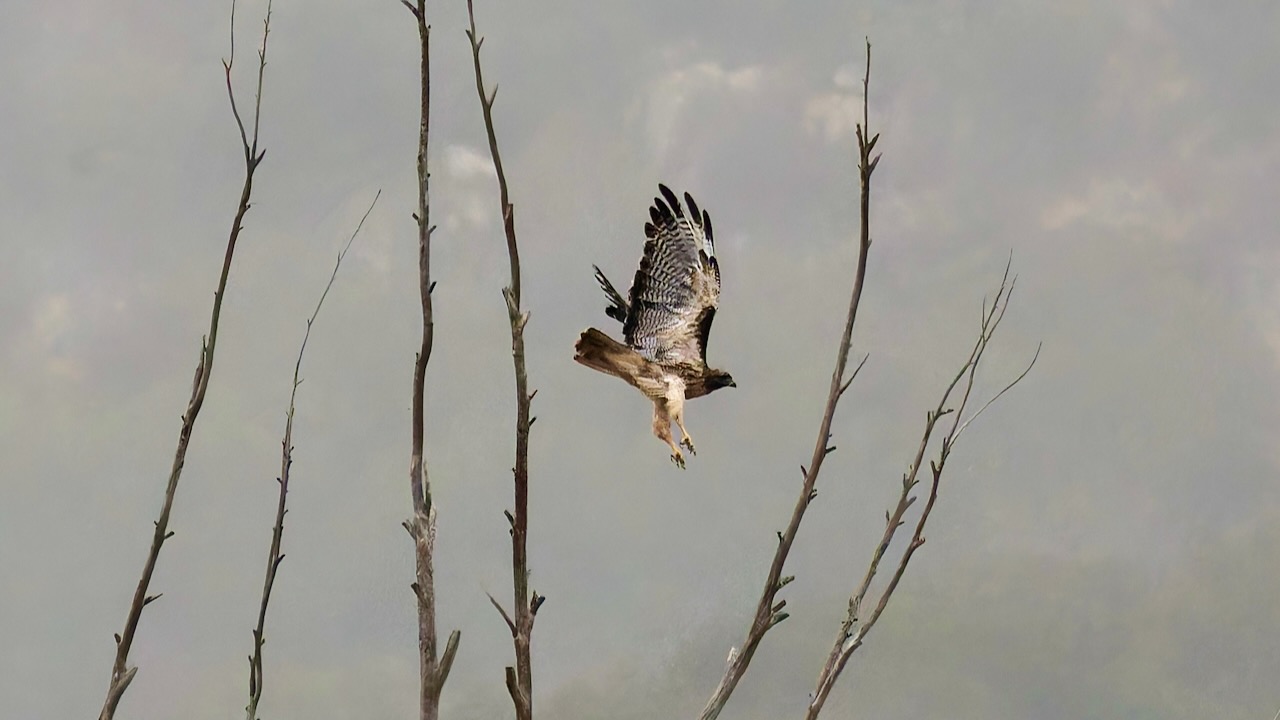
(854, 628)
(274, 555)
(121, 673)
(434, 669)
(519, 679)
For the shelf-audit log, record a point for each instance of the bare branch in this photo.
(513, 688)
(854, 376)
(433, 670)
(226, 65)
(274, 555)
(765, 616)
(507, 209)
(446, 659)
(996, 397)
(854, 628)
(121, 674)
(498, 606)
(520, 679)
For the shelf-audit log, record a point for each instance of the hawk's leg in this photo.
(675, 404)
(662, 429)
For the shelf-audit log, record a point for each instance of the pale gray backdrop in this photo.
(1106, 541)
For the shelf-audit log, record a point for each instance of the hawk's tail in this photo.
(602, 353)
(617, 308)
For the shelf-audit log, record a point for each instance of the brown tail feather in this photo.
(602, 353)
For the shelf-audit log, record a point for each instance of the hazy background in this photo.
(1106, 544)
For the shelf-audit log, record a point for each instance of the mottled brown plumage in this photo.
(666, 319)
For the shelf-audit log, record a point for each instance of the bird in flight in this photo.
(666, 320)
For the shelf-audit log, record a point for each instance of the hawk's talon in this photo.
(687, 444)
(678, 459)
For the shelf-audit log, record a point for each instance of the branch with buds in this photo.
(121, 673)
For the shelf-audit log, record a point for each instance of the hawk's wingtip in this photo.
(693, 208)
(672, 200)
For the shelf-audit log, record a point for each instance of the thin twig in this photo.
(121, 673)
(996, 397)
(768, 612)
(503, 612)
(433, 668)
(854, 375)
(274, 556)
(519, 680)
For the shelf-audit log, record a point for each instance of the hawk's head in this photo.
(717, 379)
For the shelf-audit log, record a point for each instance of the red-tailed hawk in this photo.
(666, 320)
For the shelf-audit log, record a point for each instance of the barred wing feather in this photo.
(676, 291)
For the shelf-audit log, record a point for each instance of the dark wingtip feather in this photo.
(672, 200)
(706, 225)
(650, 231)
(693, 208)
(656, 212)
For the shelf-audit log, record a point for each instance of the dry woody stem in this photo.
(433, 666)
(854, 628)
(121, 673)
(274, 554)
(769, 611)
(519, 679)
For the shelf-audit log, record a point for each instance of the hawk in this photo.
(666, 320)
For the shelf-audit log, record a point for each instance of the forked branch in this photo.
(121, 673)
(519, 679)
(433, 668)
(769, 609)
(274, 555)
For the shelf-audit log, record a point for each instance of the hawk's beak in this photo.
(733, 384)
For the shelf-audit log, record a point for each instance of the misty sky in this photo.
(1105, 544)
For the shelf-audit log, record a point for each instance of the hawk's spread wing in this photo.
(677, 288)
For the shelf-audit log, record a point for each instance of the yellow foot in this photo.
(687, 444)
(678, 459)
